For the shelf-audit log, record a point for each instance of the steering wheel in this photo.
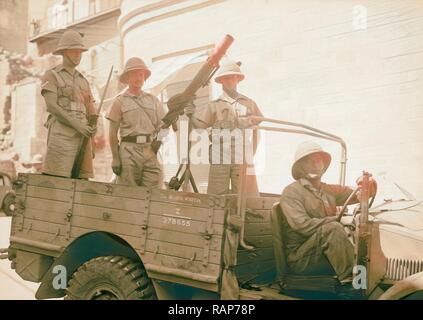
(352, 195)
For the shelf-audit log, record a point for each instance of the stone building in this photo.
(13, 47)
(351, 68)
(48, 19)
(13, 19)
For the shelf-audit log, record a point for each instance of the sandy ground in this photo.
(12, 287)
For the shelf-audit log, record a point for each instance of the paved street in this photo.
(12, 287)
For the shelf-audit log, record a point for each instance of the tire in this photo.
(418, 295)
(110, 278)
(8, 206)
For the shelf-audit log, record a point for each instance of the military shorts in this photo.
(63, 143)
(224, 177)
(140, 166)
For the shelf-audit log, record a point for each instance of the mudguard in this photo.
(405, 287)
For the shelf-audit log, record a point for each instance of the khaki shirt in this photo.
(63, 142)
(306, 209)
(73, 90)
(227, 113)
(137, 115)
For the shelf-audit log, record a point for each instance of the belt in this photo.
(143, 138)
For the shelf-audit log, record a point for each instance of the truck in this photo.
(99, 241)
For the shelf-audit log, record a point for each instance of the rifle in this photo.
(178, 102)
(92, 121)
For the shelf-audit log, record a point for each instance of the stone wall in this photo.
(13, 25)
(355, 71)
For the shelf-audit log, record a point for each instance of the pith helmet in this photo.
(71, 39)
(134, 64)
(229, 68)
(305, 149)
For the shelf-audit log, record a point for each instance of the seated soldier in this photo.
(315, 240)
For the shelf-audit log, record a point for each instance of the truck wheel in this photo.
(9, 204)
(110, 278)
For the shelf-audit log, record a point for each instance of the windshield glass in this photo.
(275, 156)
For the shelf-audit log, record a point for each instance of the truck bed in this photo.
(178, 236)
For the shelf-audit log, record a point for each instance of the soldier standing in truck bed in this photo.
(230, 111)
(69, 102)
(136, 116)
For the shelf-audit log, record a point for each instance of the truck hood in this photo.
(400, 226)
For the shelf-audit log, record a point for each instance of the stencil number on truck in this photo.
(177, 221)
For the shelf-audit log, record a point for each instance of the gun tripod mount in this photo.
(176, 183)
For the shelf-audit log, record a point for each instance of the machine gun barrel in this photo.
(177, 103)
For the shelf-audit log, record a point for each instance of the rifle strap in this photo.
(145, 112)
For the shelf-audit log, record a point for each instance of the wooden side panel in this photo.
(263, 241)
(176, 231)
(49, 193)
(135, 242)
(257, 272)
(122, 229)
(41, 210)
(104, 201)
(122, 192)
(179, 232)
(180, 264)
(191, 199)
(185, 234)
(44, 237)
(107, 214)
(182, 251)
(184, 238)
(259, 203)
(39, 180)
(262, 254)
(184, 225)
(187, 212)
(258, 265)
(255, 215)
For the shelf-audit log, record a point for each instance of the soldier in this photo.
(231, 110)
(315, 240)
(136, 115)
(17, 165)
(69, 101)
(35, 165)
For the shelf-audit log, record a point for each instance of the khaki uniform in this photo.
(63, 142)
(227, 113)
(137, 116)
(311, 231)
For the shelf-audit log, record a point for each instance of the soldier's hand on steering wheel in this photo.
(372, 187)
